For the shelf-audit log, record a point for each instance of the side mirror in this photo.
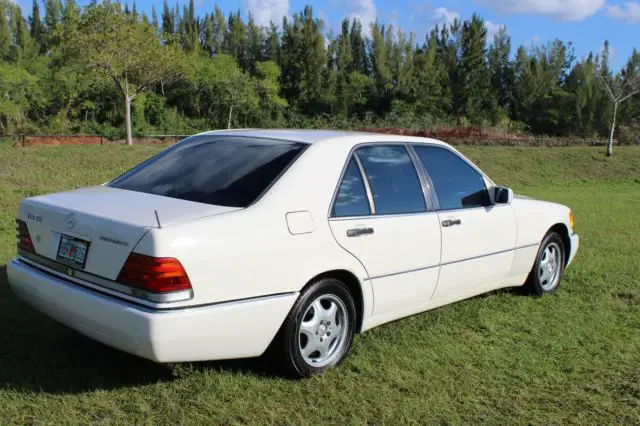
(502, 195)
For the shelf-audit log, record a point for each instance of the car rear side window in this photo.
(352, 196)
(221, 170)
(457, 184)
(393, 179)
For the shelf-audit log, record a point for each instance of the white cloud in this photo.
(265, 11)
(363, 10)
(445, 15)
(492, 30)
(567, 10)
(630, 12)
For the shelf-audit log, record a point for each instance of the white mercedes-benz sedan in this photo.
(230, 243)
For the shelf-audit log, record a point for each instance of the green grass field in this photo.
(573, 357)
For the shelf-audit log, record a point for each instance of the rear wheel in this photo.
(318, 332)
(549, 265)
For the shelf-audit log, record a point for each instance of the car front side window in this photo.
(457, 184)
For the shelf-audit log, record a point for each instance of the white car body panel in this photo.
(196, 334)
(479, 251)
(248, 265)
(401, 257)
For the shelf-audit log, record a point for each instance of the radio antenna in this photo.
(157, 218)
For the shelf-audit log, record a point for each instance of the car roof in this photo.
(311, 136)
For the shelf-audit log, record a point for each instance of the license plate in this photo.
(72, 251)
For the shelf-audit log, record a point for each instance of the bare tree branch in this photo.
(629, 95)
(608, 89)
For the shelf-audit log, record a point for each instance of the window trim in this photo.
(434, 194)
(427, 195)
(367, 190)
(433, 204)
(367, 185)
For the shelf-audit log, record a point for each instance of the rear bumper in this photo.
(575, 243)
(238, 329)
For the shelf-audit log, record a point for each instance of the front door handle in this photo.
(451, 222)
(356, 232)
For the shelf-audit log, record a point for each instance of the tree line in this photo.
(64, 69)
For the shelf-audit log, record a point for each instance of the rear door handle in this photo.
(451, 222)
(356, 232)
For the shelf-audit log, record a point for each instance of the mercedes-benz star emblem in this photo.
(71, 221)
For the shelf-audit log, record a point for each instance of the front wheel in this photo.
(549, 265)
(318, 332)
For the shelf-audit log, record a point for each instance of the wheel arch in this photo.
(353, 285)
(562, 230)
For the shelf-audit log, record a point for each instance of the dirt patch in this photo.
(479, 136)
(146, 141)
(470, 132)
(56, 140)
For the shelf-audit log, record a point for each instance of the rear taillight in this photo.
(154, 274)
(24, 238)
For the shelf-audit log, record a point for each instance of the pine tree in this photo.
(473, 91)
(23, 43)
(219, 29)
(272, 44)
(154, 19)
(189, 27)
(429, 74)
(168, 24)
(208, 42)
(303, 61)
(380, 67)
(235, 41)
(630, 108)
(253, 50)
(500, 68)
(314, 59)
(53, 11)
(71, 13)
(344, 66)
(37, 28)
(5, 33)
(358, 48)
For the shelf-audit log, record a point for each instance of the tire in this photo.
(546, 274)
(317, 334)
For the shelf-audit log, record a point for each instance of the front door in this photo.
(381, 216)
(478, 239)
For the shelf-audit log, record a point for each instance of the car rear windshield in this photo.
(222, 170)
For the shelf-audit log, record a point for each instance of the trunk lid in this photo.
(110, 220)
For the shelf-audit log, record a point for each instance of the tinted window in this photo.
(394, 182)
(226, 171)
(457, 184)
(352, 197)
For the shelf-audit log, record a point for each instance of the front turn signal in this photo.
(571, 222)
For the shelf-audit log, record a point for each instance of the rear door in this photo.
(478, 239)
(382, 216)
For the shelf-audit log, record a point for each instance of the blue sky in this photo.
(587, 23)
